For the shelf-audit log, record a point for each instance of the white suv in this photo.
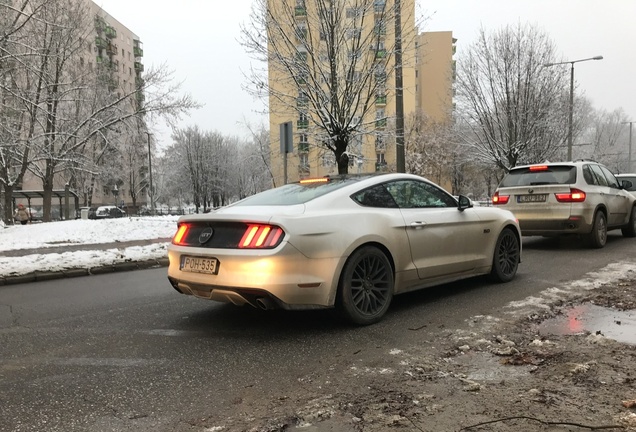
(580, 197)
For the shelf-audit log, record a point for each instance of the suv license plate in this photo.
(531, 198)
(199, 265)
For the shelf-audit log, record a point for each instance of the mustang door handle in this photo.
(418, 224)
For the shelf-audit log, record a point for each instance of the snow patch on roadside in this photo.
(609, 274)
(16, 266)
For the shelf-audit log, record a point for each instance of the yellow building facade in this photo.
(435, 74)
(426, 84)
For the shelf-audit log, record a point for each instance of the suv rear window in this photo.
(557, 174)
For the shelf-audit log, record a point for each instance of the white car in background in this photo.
(631, 178)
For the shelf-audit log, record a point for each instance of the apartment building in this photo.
(426, 81)
(435, 74)
(114, 53)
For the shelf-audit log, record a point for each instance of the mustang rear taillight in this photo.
(500, 199)
(259, 236)
(180, 234)
(575, 195)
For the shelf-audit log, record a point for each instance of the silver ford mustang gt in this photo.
(350, 242)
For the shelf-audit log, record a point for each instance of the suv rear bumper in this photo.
(554, 227)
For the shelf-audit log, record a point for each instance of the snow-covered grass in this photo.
(46, 236)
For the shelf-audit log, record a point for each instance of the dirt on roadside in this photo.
(497, 374)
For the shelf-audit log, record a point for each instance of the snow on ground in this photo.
(44, 236)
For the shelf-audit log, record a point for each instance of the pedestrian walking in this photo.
(22, 214)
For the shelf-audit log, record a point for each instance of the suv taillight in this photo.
(575, 195)
(500, 199)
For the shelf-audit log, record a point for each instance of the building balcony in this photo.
(100, 43)
(381, 53)
(379, 30)
(110, 32)
(380, 123)
(380, 100)
(301, 34)
(100, 24)
(302, 101)
(379, 6)
(139, 67)
(302, 124)
(138, 52)
(303, 147)
(300, 11)
(112, 49)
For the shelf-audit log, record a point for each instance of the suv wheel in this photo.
(598, 237)
(629, 230)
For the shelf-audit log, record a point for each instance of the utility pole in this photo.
(399, 92)
(151, 192)
(629, 151)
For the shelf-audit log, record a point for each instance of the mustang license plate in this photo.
(199, 265)
(531, 198)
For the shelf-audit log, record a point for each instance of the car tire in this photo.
(505, 260)
(366, 286)
(597, 238)
(629, 230)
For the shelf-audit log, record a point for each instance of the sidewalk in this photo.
(81, 271)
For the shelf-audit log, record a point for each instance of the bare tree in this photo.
(17, 91)
(605, 139)
(513, 106)
(328, 62)
(430, 147)
(71, 116)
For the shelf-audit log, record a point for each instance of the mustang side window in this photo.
(416, 194)
(376, 196)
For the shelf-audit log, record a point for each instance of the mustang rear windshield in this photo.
(529, 176)
(296, 193)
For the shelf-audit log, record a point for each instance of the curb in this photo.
(76, 272)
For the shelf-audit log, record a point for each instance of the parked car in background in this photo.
(349, 242)
(631, 178)
(580, 197)
(107, 212)
(90, 212)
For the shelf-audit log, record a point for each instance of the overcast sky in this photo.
(198, 39)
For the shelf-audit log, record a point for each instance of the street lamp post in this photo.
(571, 107)
(151, 191)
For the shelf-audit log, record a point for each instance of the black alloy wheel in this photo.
(366, 286)
(506, 257)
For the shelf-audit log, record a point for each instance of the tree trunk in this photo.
(8, 204)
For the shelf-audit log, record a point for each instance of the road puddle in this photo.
(611, 323)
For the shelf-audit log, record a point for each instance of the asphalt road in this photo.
(125, 352)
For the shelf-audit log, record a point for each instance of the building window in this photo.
(354, 12)
(303, 143)
(304, 160)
